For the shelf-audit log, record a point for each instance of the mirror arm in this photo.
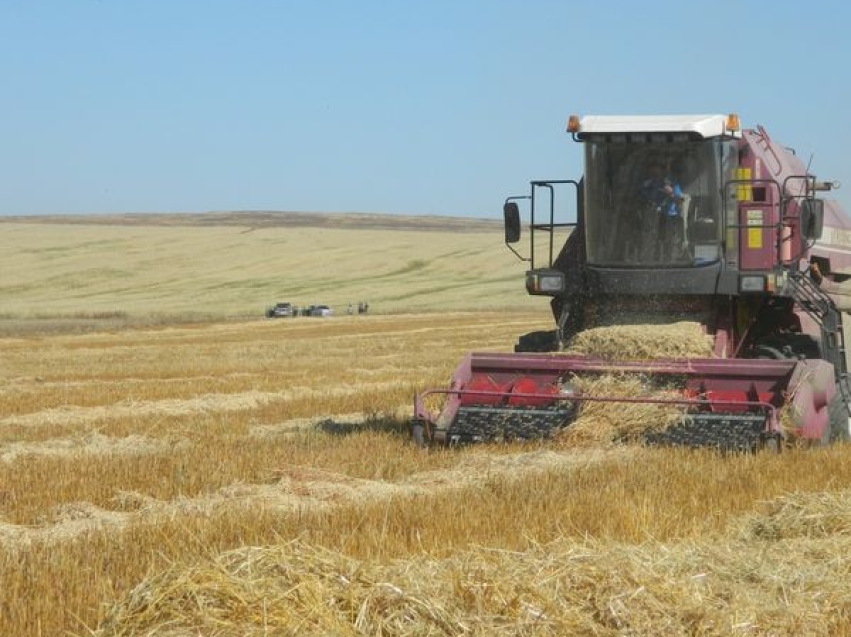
(519, 256)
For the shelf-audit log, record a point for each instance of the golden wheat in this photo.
(125, 456)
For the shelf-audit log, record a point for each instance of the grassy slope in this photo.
(212, 265)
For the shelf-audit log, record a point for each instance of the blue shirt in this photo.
(655, 193)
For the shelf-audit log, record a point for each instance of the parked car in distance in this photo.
(280, 310)
(319, 310)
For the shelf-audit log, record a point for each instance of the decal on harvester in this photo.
(744, 192)
(755, 218)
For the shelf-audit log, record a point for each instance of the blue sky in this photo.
(434, 107)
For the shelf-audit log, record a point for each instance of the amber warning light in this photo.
(573, 124)
(732, 123)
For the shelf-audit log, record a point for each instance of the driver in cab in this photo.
(664, 195)
(662, 191)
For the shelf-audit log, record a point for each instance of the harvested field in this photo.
(155, 484)
(255, 477)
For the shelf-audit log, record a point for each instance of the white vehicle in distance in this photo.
(319, 310)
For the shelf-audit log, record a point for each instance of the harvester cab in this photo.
(676, 218)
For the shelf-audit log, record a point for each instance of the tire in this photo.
(418, 434)
(772, 444)
(537, 342)
(790, 346)
(804, 346)
(840, 420)
(768, 352)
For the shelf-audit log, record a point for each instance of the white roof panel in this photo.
(704, 125)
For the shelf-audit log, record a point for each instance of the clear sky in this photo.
(431, 107)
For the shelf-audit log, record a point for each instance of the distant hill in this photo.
(271, 219)
(236, 264)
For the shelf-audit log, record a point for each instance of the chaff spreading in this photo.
(608, 422)
(604, 423)
(684, 339)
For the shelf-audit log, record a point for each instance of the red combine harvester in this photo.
(677, 218)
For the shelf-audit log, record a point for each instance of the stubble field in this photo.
(166, 475)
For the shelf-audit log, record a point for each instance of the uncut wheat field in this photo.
(174, 463)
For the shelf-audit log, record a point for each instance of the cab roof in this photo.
(703, 125)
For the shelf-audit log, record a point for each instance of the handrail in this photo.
(550, 226)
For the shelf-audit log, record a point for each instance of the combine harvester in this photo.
(685, 218)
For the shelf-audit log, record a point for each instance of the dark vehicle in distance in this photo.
(280, 310)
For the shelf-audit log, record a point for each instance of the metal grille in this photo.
(728, 432)
(479, 424)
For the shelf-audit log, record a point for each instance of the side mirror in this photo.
(812, 218)
(511, 212)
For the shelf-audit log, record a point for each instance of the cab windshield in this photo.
(655, 204)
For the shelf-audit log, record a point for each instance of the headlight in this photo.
(545, 282)
(752, 283)
(706, 252)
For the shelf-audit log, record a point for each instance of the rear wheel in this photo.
(418, 433)
(772, 444)
(840, 420)
(802, 346)
(544, 341)
(788, 346)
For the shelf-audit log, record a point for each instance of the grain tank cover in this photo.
(699, 126)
